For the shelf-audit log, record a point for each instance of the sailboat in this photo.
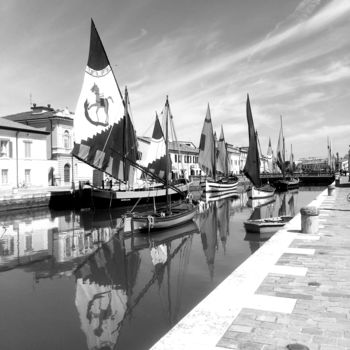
(252, 166)
(105, 139)
(215, 162)
(285, 183)
(172, 214)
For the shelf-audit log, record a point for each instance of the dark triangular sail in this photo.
(104, 133)
(252, 166)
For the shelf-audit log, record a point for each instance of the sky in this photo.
(291, 56)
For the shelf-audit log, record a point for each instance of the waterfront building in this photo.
(58, 125)
(23, 155)
(234, 159)
(313, 164)
(184, 159)
(242, 157)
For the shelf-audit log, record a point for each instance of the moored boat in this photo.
(214, 162)
(105, 139)
(168, 216)
(252, 166)
(266, 225)
(286, 183)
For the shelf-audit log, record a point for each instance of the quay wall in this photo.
(27, 198)
(204, 326)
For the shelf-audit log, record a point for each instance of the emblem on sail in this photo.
(100, 106)
(100, 103)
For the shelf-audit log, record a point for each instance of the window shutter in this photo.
(10, 149)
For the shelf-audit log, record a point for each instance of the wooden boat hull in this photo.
(260, 193)
(219, 186)
(267, 225)
(141, 241)
(151, 222)
(285, 185)
(215, 196)
(103, 198)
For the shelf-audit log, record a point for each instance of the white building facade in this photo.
(23, 156)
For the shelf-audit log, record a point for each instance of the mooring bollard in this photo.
(309, 219)
(337, 179)
(331, 189)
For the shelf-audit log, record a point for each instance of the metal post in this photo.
(349, 163)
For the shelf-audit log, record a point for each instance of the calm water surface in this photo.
(68, 280)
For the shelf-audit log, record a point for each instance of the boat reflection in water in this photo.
(214, 222)
(97, 286)
(108, 287)
(282, 204)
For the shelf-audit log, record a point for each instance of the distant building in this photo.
(23, 156)
(184, 158)
(234, 159)
(313, 164)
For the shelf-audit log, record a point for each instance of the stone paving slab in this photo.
(294, 290)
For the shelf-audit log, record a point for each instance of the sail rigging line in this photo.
(167, 155)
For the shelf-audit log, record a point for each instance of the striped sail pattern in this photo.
(206, 157)
(104, 134)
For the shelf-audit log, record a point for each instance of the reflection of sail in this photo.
(101, 310)
(102, 293)
(261, 209)
(291, 205)
(256, 214)
(107, 291)
(223, 216)
(283, 209)
(208, 229)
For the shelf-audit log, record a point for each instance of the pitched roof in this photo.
(11, 125)
(39, 112)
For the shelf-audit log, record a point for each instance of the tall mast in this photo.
(283, 151)
(167, 154)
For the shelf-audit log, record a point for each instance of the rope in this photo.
(150, 220)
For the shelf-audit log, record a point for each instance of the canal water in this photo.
(69, 280)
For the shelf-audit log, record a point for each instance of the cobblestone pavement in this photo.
(319, 283)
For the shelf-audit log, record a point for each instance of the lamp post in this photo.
(349, 163)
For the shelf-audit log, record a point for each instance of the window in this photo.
(66, 139)
(66, 173)
(28, 243)
(27, 176)
(27, 149)
(4, 176)
(5, 149)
